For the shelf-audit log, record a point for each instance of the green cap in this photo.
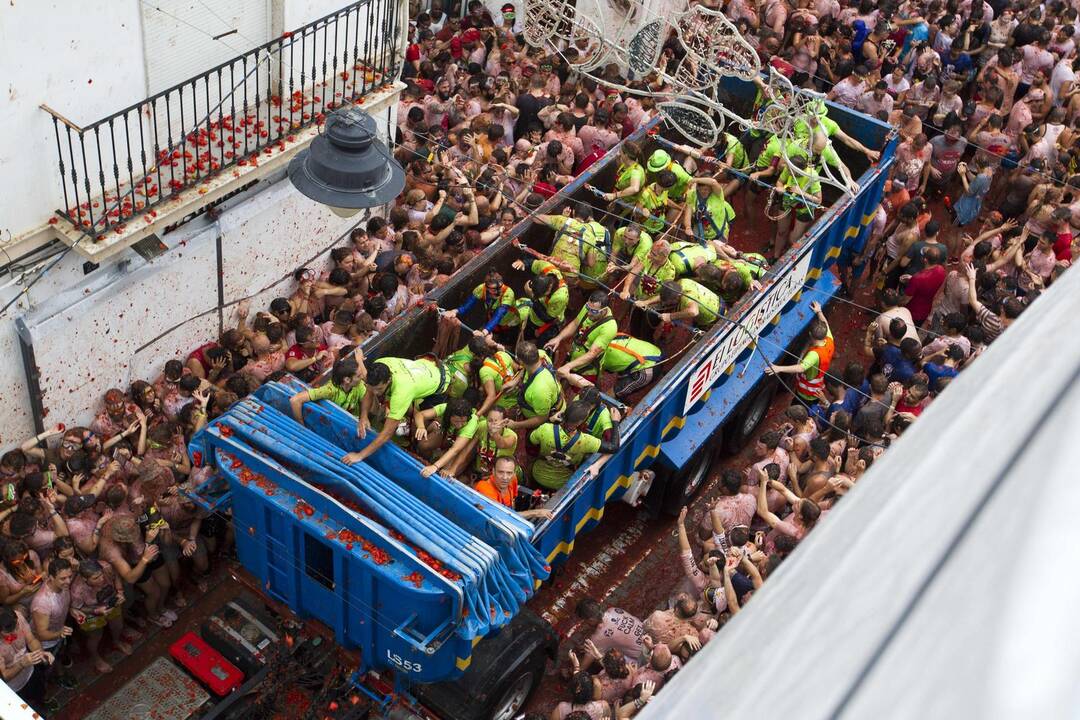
(658, 161)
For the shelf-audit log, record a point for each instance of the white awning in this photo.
(945, 585)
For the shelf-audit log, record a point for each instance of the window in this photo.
(319, 561)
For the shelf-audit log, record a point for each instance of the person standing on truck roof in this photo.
(403, 385)
(543, 309)
(810, 371)
(708, 215)
(581, 244)
(450, 427)
(502, 487)
(345, 388)
(563, 445)
(685, 299)
(539, 395)
(500, 310)
(592, 330)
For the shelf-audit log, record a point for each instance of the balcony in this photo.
(149, 165)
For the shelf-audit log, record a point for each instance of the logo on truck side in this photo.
(402, 664)
(738, 339)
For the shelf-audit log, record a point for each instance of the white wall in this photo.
(85, 60)
(125, 319)
(122, 323)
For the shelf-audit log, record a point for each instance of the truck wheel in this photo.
(738, 432)
(514, 692)
(680, 486)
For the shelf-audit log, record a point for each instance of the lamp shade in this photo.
(347, 167)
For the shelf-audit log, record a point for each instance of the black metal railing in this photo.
(244, 110)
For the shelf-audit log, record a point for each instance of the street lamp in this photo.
(347, 167)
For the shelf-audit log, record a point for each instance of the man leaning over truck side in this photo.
(810, 371)
(403, 385)
(345, 388)
(502, 487)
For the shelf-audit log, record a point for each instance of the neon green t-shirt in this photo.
(450, 433)
(707, 301)
(540, 392)
(457, 368)
(624, 178)
(499, 369)
(349, 401)
(591, 332)
(569, 232)
(620, 252)
(598, 422)
(652, 199)
(629, 353)
(686, 257)
(410, 382)
(648, 283)
(560, 454)
(487, 451)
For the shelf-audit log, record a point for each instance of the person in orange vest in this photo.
(810, 371)
(502, 487)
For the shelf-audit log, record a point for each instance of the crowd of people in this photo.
(98, 538)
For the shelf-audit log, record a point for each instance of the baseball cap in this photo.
(470, 35)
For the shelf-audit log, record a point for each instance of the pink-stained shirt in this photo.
(11, 652)
(612, 689)
(81, 528)
(619, 630)
(267, 365)
(739, 509)
(591, 135)
(13, 585)
(84, 597)
(665, 628)
(697, 578)
(53, 604)
(1034, 59)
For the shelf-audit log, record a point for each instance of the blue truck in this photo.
(428, 580)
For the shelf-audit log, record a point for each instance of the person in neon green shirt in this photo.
(563, 446)
(800, 190)
(345, 389)
(629, 175)
(629, 243)
(686, 299)
(632, 360)
(402, 384)
(602, 422)
(497, 299)
(458, 366)
(687, 257)
(592, 330)
(580, 248)
(819, 120)
(493, 439)
(539, 393)
(660, 161)
(653, 201)
(498, 375)
(708, 217)
(543, 308)
(644, 276)
(451, 427)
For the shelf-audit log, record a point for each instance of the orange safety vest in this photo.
(810, 387)
(489, 489)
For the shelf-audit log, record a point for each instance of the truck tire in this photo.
(515, 690)
(739, 430)
(681, 485)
